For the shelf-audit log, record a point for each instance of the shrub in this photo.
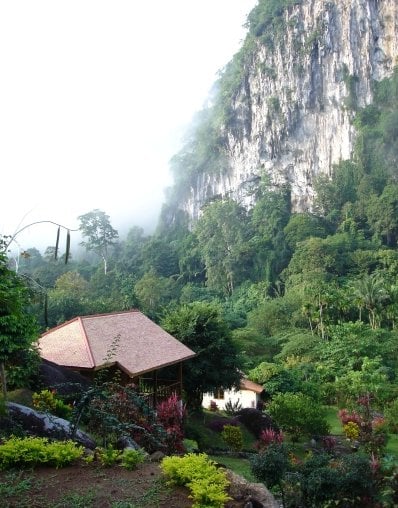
(346, 417)
(351, 430)
(170, 414)
(190, 445)
(110, 410)
(108, 456)
(298, 415)
(218, 424)
(31, 451)
(366, 426)
(131, 458)
(233, 437)
(255, 421)
(346, 481)
(232, 408)
(271, 465)
(329, 443)
(207, 483)
(48, 402)
(267, 437)
(322, 484)
(213, 406)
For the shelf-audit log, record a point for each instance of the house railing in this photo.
(155, 392)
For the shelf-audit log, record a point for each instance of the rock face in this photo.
(46, 425)
(292, 115)
(252, 494)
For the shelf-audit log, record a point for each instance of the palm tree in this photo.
(370, 293)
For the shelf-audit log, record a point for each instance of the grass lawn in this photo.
(333, 420)
(392, 445)
(237, 465)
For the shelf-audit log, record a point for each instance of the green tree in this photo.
(268, 219)
(298, 415)
(96, 227)
(68, 299)
(302, 226)
(216, 365)
(154, 293)
(160, 256)
(382, 214)
(222, 235)
(18, 329)
(370, 293)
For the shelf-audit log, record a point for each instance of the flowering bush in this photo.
(267, 437)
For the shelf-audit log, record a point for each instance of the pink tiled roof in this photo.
(86, 342)
(245, 384)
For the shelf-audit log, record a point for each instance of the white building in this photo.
(248, 395)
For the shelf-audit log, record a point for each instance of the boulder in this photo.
(46, 425)
(254, 495)
(63, 380)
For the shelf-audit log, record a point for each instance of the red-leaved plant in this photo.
(346, 417)
(267, 437)
(171, 414)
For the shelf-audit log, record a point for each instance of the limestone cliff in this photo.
(300, 83)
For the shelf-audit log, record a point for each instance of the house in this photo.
(128, 342)
(248, 395)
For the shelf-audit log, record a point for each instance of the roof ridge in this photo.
(86, 341)
(106, 314)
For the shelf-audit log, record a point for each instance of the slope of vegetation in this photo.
(305, 304)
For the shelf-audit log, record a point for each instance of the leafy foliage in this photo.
(207, 483)
(32, 451)
(298, 415)
(233, 437)
(200, 327)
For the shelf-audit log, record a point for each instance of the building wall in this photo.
(247, 398)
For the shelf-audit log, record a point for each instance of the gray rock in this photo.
(256, 495)
(126, 442)
(156, 456)
(46, 425)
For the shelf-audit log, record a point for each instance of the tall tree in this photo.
(96, 227)
(370, 293)
(216, 365)
(222, 235)
(18, 329)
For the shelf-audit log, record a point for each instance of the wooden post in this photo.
(180, 378)
(155, 389)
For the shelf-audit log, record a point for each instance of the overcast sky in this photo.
(95, 97)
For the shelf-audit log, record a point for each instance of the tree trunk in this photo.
(3, 380)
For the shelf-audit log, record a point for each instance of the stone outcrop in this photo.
(254, 495)
(292, 115)
(46, 425)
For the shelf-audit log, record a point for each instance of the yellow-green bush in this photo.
(197, 472)
(48, 402)
(30, 451)
(131, 458)
(233, 437)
